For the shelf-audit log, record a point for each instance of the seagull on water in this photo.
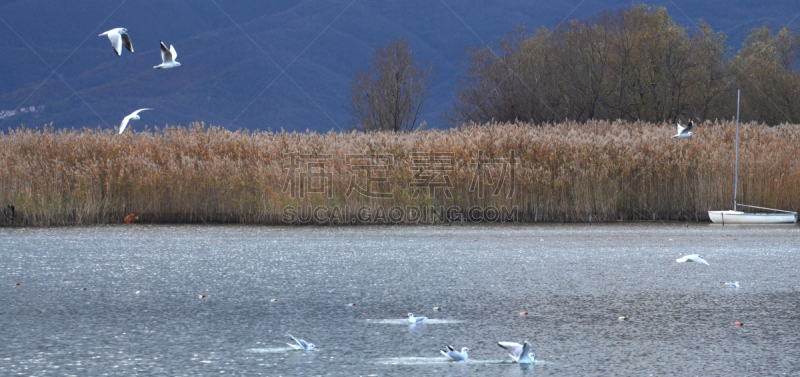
(684, 131)
(119, 37)
(168, 57)
(454, 355)
(412, 320)
(735, 284)
(519, 353)
(692, 258)
(133, 116)
(301, 344)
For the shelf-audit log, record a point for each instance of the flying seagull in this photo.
(519, 353)
(301, 344)
(119, 37)
(168, 57)
(684, 131)
(134, 116)
(412, 320)
(454, 355)
(692, 258)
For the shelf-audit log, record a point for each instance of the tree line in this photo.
(630, 64)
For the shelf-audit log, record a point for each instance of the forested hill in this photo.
(228, 80)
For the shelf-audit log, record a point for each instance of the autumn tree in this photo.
(389, 94)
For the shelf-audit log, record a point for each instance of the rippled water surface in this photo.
(141, 311)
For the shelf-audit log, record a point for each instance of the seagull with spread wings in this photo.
(119, 37)
(692, 258)
(683, 132)
(133, 116)
(519, 353)
(301, 344)
(168, 56)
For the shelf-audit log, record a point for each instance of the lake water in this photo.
(141, 312)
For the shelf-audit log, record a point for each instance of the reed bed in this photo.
(596, 171)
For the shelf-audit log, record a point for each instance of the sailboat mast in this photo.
(736, 167)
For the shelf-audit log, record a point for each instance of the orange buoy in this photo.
(130, 218)
(738, 323)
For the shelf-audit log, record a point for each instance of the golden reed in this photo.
(598, 171)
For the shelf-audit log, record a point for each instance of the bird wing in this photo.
(301, 342)
(166, 56)
(526, 349)
(116, 41)
(451, 348)
(515, 349)
(680, 128)
(689, 127)
(126, 40)
(124, 124)
(138, 111)
(294, 346)
(697, 259)
(419, 319)
(173, 52)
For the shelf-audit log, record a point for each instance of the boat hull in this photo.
(739, 217)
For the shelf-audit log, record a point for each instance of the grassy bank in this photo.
(598, 171)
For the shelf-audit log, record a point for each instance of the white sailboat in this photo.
(740, 217)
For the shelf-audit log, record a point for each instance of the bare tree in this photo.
(388, 95)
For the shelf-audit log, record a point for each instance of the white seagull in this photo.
(119, 37)
(684, 131)
(519, 353)
(692, 258)
(168, 57)
(454, 355)
(133, 116)
(301, 344)
(735, 284)
(412, 320)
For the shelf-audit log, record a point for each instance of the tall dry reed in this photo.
(598, 171)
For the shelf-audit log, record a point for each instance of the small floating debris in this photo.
(523, 313)
(17, 284)
(138, 292)
(609, 239)
(351, 304)
(83, 289)
(274, 300)
(436, 308)
(212, 241)
(623, 318)
(476, 240)
(738, 324)
(201, 296)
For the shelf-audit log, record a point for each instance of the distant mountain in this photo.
(228, 80)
